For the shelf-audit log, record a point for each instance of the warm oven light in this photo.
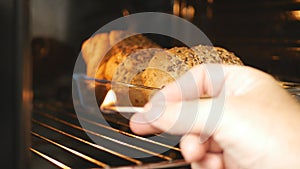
(109, 105)
(295, 15)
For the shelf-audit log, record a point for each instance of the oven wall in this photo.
(263, 33)
(15, 86)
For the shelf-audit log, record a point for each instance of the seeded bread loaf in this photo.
(130, 71)
(166, 66)
(157, 67)
(119, 56)
(104, 52)
(138, 60)
(122, 50)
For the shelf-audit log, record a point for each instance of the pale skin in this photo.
(259, 127)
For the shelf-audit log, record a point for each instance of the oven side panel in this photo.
(15, 85)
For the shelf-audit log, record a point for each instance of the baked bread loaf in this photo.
(168, 65)
(126, 58)
(138, 60)
(130, 71)
(109, 50)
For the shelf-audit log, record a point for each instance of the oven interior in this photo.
(264, 34)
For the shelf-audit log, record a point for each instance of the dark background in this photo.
(263, 33)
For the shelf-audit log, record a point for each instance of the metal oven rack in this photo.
(292, 88)
(58, 140)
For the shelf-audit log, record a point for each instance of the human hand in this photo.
(255, 125)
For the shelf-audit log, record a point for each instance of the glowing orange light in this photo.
(109, 105)
(295, 15)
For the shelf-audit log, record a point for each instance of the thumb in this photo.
(177, 108)
(200, 116)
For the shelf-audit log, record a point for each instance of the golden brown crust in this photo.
(133, 60)
(166, 66)
(111, 49)
(123, 49)
(130, 71)
(93, 50)
(227, 57)
(124, 62)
